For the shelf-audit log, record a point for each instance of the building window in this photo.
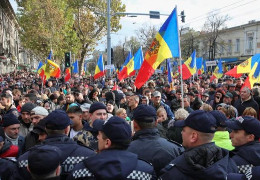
(230, 46)
(250, 43)
(237, 45)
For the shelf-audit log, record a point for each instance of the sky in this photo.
(239, 11)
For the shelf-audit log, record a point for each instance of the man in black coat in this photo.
(246, 100)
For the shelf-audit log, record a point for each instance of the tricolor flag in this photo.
(233, 73)
(189, 66)
(134, 64)
(100, 70)
(169, 71)
(199, 65)
(247, 66)
(129, 56)
(50, 69)
(218, 72)
(75, 67)
(253, 77)
(164, 46)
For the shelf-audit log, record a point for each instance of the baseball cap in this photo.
(44, 159)
(95, 106)
(38, 110)
(144, 113)
(57, 120)
(205, 94)
(115, 128)
(229, 95)
(199, 120)
(249, 124)
(156, 94)
(85, 107)
(220, 117)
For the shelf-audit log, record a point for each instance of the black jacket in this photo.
(148, 145)
(241, 106)
(113, 164)
(246, 156)
(200, 163)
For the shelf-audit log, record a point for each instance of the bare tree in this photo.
(189, 42)
(146, 34)
(210, 32)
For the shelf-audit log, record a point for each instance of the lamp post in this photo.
(108, 37)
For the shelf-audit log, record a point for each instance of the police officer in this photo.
(252, 173)
(202, 159)
(6, 100)
(58, 126)
(147, 143)
(245, 138)
(113, 161)
(44, 162)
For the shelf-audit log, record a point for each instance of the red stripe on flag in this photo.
(185, 72)
(144, 74)
(98, 75)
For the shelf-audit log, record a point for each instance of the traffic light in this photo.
(112, 56)
(182, 17)
(67, 59)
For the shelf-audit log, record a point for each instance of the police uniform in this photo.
(200, 163)
(203, 161)
(247, 155)
(148, 144)
(112, 162)
(72, 153)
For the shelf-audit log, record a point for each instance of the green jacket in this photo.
(221, 139)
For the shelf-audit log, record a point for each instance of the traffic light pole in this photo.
(108, 37)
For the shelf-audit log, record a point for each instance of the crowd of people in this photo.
(105, 129)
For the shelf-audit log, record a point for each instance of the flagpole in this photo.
(182, 92)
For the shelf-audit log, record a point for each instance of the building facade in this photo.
(12, 55)
(235, 44)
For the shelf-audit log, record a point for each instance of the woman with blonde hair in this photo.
(206, 107)
(249, 111)
(162, 121)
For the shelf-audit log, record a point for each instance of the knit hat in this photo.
(38, 110)
(10, 119)
(95, 106)
(27, 107)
